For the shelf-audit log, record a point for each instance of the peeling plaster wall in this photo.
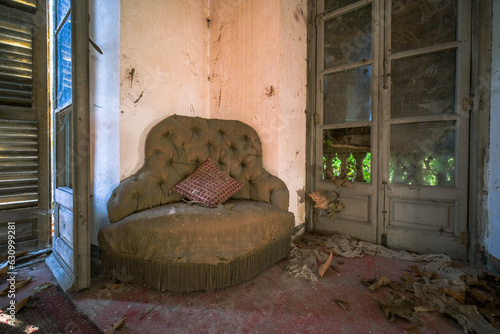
(104, 73)
(258, 76)
(292, 104)
(163, 69)
(493, 238)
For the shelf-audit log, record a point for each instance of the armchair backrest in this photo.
(177, 145)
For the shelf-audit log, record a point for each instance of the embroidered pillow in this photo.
(208, 185)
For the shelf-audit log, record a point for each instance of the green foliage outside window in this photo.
(351, 170)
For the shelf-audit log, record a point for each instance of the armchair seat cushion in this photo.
(184, 233)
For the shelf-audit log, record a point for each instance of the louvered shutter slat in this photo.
(16, 65)
(18, 164)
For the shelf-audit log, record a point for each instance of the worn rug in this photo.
(49, 311)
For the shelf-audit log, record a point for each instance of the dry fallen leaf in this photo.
(344, 305)
(19, 284)
(322, 269)
(43, 287)
(20, 304)
(397, 305)
(382, 281)
(116, 286)
(320, 199)
(409, 279)
(455, 293)
(115, 326)
(412, 330)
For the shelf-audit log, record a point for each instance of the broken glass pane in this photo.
(423, 154)
(346, 154)
(347, 96)
(423, 85)
(337, 4)
(417, 24)
(348, 38)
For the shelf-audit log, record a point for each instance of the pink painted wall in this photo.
(258, 75)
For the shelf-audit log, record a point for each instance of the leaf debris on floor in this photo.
(472, 300)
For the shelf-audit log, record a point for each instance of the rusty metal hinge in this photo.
(465, 238)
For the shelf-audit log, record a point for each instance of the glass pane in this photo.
(346, 154)
(417, 24)
(337, 4)
(423, 85)
(62, 9)
(63, 151)
(348, 38)
(63, 66)
(423, 154)
(347, 96)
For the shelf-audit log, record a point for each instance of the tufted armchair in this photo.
(157, 239)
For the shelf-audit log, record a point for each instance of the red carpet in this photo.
(50, 311)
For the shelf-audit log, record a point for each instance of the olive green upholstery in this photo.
(159, 240)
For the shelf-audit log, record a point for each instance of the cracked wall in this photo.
(258, 76)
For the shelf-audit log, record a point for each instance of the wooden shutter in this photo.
(24, 130)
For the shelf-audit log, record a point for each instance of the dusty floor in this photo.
(272, 302)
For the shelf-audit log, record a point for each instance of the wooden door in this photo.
(25, 200)
(392, 116)
(425, 126)
(70, 259)
(346, 115)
